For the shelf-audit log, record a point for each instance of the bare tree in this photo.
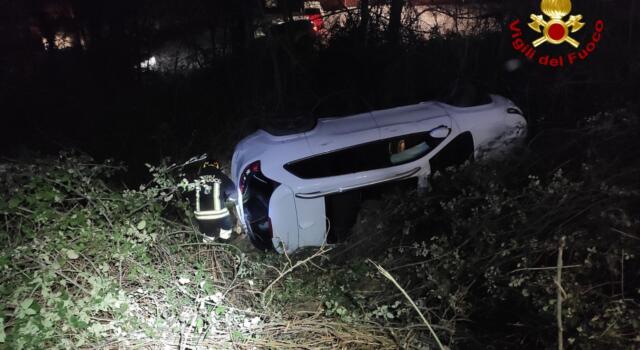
(364, 21)
(395, 21)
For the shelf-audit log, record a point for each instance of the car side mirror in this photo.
(440, 132)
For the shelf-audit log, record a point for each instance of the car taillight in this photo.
(250, 169)
(317, 21)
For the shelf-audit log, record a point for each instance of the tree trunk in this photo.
(364, 21)
(240, 24)
(632, 12)
(395, 21)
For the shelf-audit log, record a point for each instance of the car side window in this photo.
(374, 155)
(408, 148)
(456, 152)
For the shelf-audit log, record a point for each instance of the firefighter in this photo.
(216, 196)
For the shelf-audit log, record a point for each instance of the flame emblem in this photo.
(556, 30)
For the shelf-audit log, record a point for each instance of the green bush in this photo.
(480, 251)
(70, 243)
(86, 262)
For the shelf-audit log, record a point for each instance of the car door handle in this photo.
(397, 177)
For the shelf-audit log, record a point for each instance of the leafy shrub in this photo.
(70, 243)
(480, 251)
(86, 262)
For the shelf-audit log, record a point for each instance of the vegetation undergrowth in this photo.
(481, 251)
(86, 263)
(89, 263)
(478, 254)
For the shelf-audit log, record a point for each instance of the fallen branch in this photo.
(544, 268)
(424, 320)
(625, 234)
(560, 293)
(318, 253)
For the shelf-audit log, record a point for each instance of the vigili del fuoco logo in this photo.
(552, 29)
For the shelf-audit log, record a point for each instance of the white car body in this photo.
(296, 207)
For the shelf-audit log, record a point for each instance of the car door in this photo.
(331, 134)
(415, 134)
(410, 119)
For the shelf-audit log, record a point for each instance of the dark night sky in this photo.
(71, 73)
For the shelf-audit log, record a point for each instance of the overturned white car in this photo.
(291, 183)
